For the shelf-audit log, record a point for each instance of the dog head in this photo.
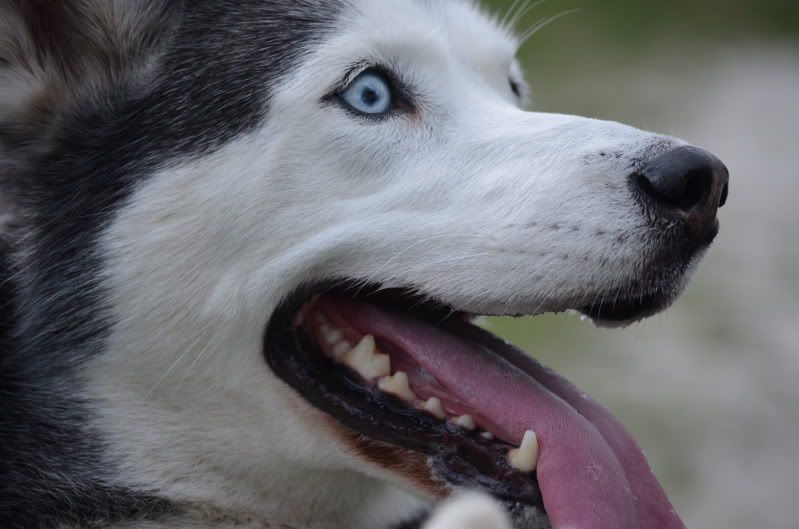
(263, 227)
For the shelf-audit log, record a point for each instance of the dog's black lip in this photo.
(627, 309)
(457, 457)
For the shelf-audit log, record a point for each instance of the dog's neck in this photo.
(204, 516)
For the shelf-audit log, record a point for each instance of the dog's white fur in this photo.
(471, 200)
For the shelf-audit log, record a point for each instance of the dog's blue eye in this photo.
(370, 93)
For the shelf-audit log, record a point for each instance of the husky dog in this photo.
(247, 245)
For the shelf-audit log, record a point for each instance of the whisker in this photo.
(421, 241)
(517, 18)
(211, 344)
(173, 366)
(452, 312)
(542, 24)
(508, 16)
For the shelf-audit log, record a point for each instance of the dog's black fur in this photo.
(201, 93)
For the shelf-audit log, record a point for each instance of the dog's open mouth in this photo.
(416, 374)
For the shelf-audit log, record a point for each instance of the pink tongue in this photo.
(591, 472)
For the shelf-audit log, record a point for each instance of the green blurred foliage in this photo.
(641, 20)
(630, 27)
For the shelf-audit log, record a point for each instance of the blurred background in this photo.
(711, 387)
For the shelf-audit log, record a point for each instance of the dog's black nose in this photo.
(688, 183)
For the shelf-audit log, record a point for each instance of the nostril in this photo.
(697, 187)
(682, 179)
(724, 193)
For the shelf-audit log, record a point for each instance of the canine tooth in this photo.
(397, 385)
(465, 421)
(525, 458)
(434, 407)
(487, 435)
(341, 348)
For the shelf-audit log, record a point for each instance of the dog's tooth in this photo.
(434, 407)
(398, 385)
(487, 435)
(381, 366)
(330, 333)
(465, 421)
(364, 359)
(525, 458)
(361, 357)
(367, 345)
(341, 349)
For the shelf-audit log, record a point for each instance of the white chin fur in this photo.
(469, 511)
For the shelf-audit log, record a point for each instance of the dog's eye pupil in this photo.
(370, 93)
(369, 96)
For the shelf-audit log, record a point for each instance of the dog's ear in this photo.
(54, 54)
